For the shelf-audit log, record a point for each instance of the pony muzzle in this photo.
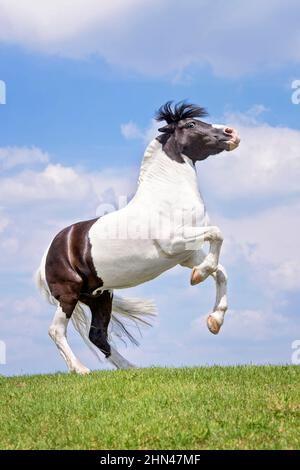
(234, 141)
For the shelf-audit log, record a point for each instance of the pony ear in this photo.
(168, 129)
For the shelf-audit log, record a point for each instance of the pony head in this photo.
(185, 134)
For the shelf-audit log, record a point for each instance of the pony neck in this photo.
(159, 169)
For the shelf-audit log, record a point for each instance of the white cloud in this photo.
(56, 21)
(256, 325)
(268, 241)
(21, 314)
(130, 130)
(36, 203)
(55, 182)
(152, 37)
(11, 157)
(4, 221)
(266, 163)
(287, 274)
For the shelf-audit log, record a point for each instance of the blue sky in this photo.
(82, 87)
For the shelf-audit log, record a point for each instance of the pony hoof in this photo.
(213, 325)
(196, 277)
(81, 370)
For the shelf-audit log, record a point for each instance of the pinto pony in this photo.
(165, 224)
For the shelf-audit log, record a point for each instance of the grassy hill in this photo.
(193, 408)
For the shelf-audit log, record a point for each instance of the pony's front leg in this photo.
(210, 262)
(215, 319)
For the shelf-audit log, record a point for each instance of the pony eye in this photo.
(190, 125)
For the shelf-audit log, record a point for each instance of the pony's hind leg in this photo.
(101, 308)
(58, 332)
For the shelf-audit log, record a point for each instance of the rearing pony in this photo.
(165, 224)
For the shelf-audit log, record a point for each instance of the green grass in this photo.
(243, 407)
